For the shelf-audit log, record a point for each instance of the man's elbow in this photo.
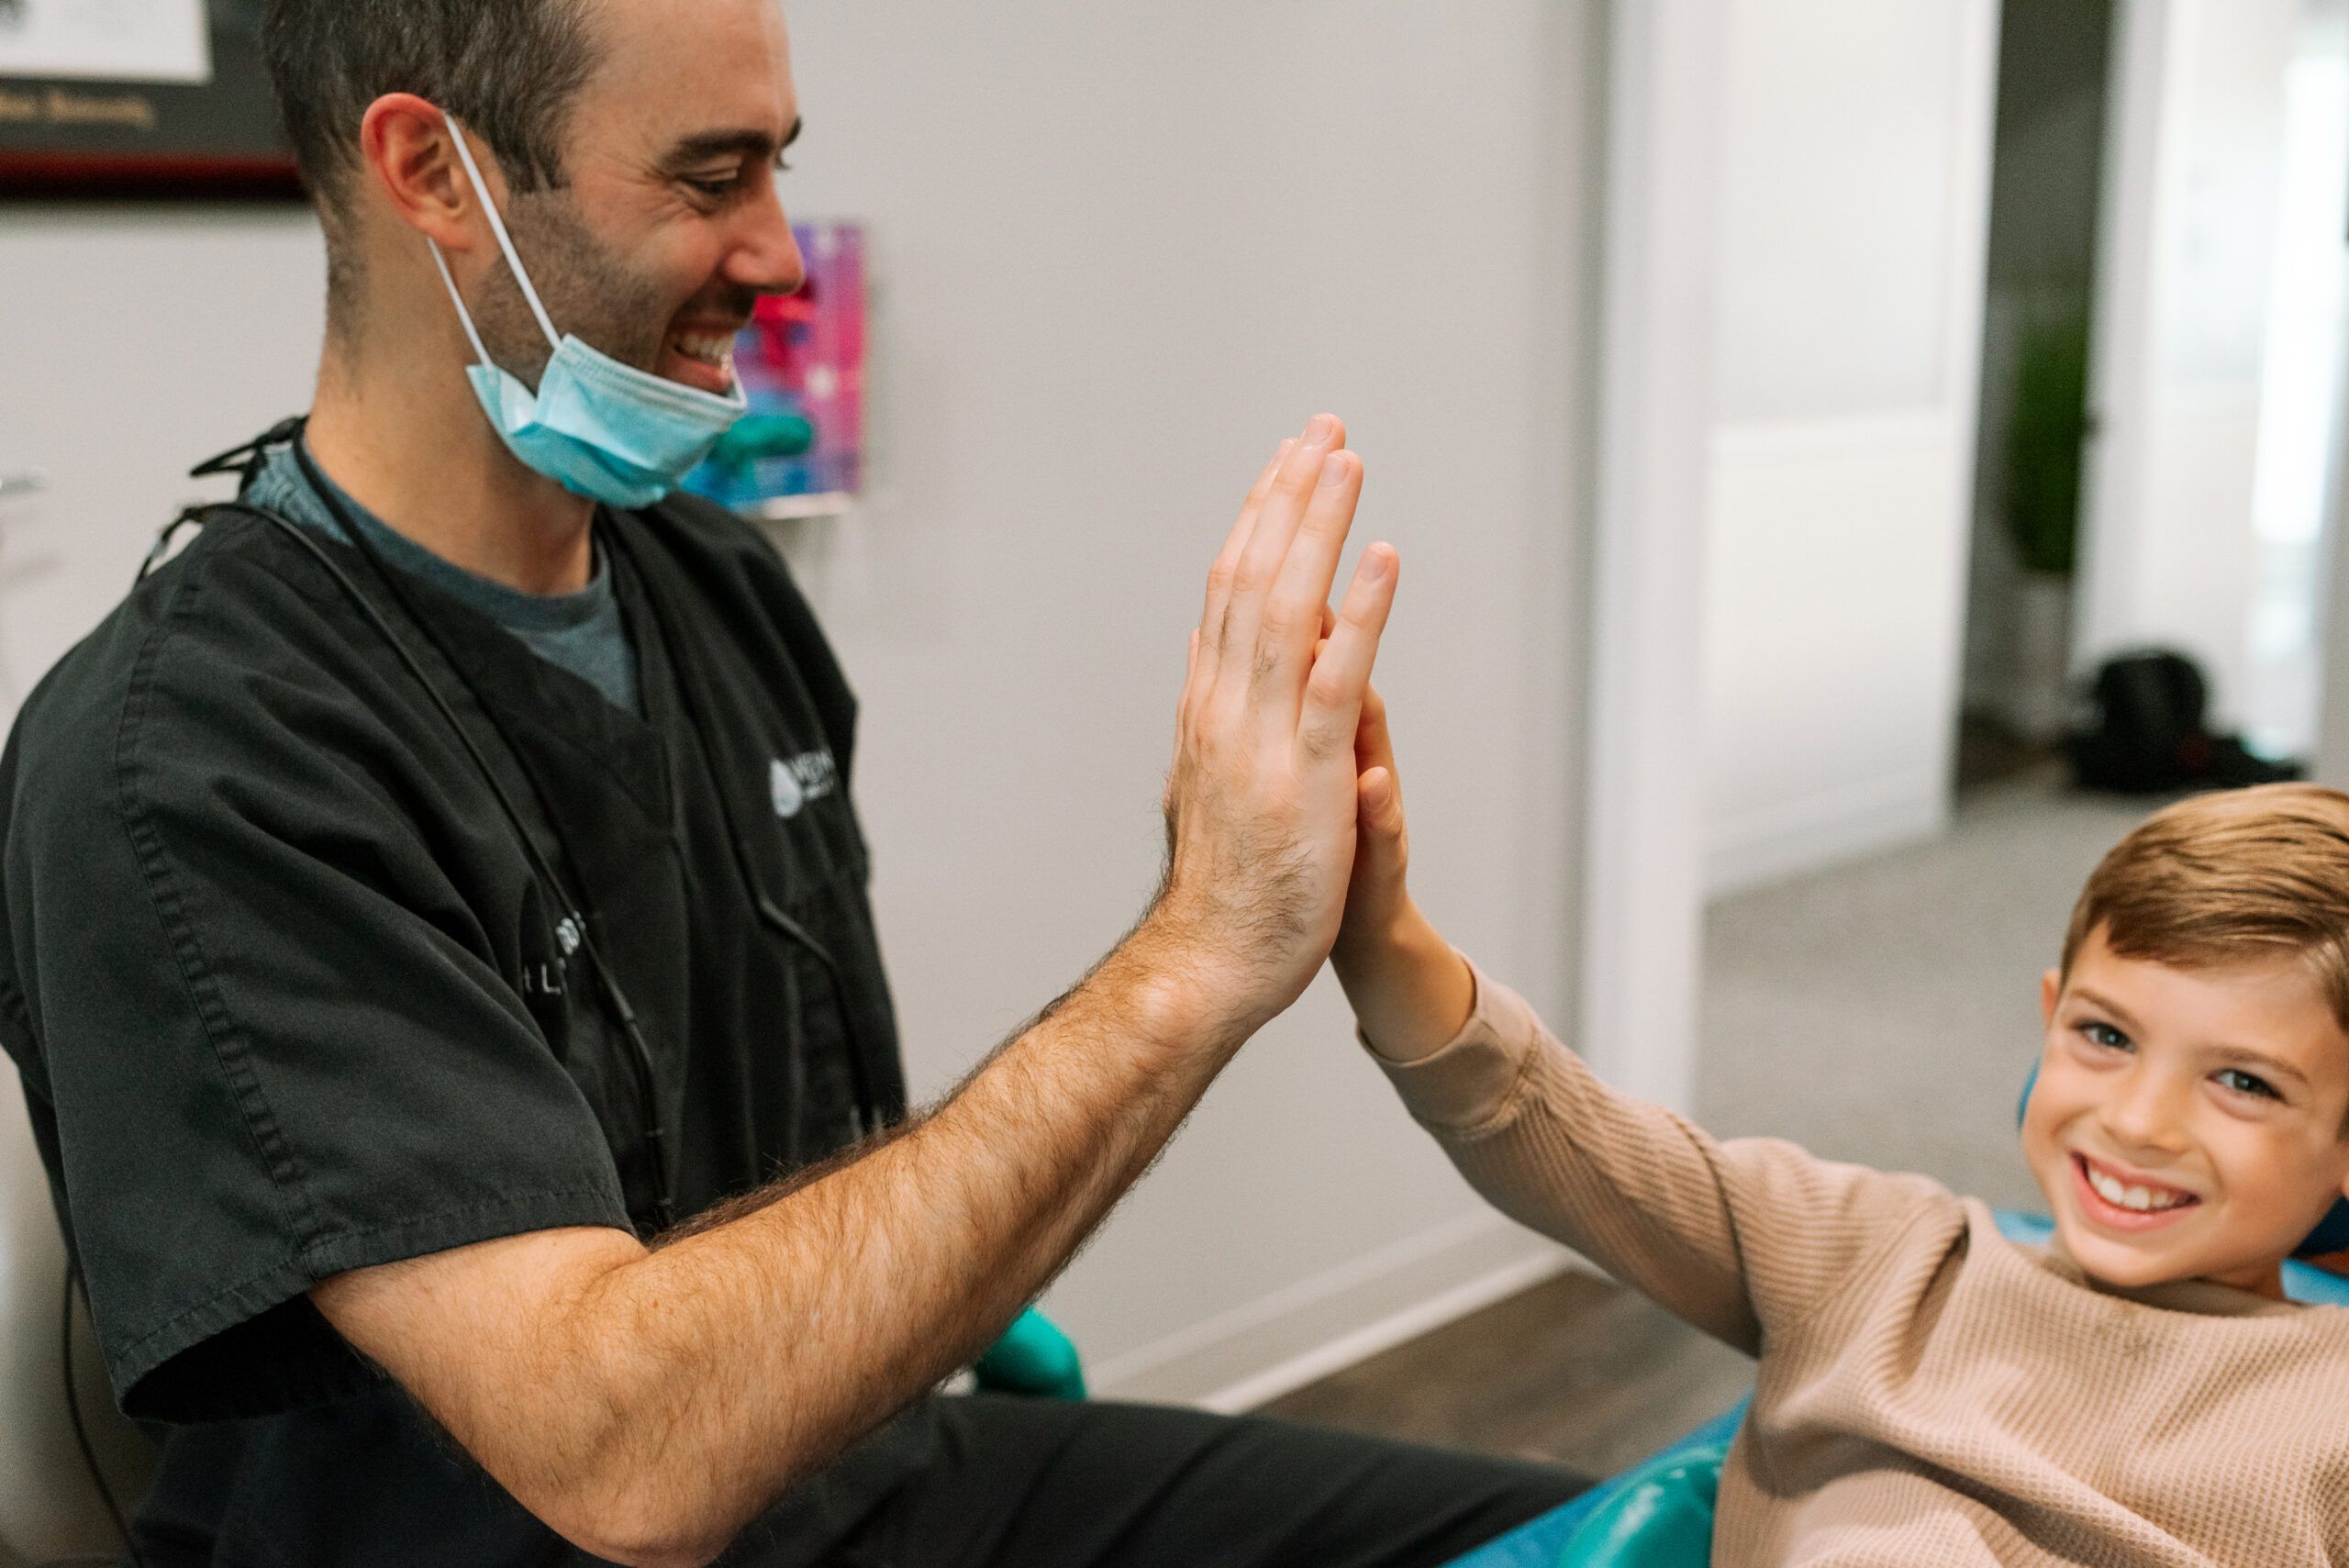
(637, 1529)
(629, 1508)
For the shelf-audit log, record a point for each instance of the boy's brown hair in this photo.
(2217, 879)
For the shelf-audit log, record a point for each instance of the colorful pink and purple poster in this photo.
(802, 360)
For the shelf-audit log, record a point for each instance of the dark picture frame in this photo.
(89, 138)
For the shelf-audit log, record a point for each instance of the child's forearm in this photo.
(1410, 991)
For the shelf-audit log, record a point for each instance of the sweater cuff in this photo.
(1467, 1082)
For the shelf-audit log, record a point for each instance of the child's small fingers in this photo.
(1380, 803)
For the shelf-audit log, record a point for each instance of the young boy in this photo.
(2138, 1391)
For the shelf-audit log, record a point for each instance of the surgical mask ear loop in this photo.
(505, 244)
(464, 317)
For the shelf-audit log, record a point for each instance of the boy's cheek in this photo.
(2051, 1103)
(2276, 1186)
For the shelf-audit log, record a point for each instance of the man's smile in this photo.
(700, 354)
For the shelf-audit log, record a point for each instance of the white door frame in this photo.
(1643, 862)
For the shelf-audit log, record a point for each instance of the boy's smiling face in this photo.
(2187, 1123)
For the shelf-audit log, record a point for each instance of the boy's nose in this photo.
(2144, 1115)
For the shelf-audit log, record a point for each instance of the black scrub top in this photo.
(287, 998)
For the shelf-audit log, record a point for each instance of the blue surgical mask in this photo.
(598, 428)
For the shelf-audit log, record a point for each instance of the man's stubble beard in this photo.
(589, 293)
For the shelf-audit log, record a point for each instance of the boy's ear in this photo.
(2050, 991)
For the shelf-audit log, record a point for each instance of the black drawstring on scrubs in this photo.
(867, 1112)
(247, 461)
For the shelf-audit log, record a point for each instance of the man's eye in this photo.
(724, 187)
(2104, 1035)
(2243, 1083)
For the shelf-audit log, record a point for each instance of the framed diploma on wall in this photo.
(147, 98)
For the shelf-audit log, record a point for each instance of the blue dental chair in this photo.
(1659, 1514)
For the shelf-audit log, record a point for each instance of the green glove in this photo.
(1034, 1358)
(755, 436)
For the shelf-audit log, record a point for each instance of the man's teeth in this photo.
(716, 349)
(2136, 1198)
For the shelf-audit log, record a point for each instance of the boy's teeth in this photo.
(2137, 1198)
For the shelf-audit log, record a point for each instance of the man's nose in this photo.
(767, 256)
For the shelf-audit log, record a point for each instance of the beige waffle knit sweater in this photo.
(1929, 1393)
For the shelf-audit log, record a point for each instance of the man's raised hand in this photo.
(1261, 802)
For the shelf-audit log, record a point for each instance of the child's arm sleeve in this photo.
(1742, 1239)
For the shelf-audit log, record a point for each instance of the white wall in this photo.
(1118, 251)
(1645, 864)
(2332, 757)
(133, 343)
(1853, 188)
(2332, 751)
(2195, 149)
(2303, 401)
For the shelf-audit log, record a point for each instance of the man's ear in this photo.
(2050, 991)
(406, 150)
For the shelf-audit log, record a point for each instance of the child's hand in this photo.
(1377, 902)
(1410, 991)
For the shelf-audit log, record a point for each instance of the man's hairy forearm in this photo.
(646, 1403)
(699, 1379)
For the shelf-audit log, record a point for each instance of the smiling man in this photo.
(435, 942)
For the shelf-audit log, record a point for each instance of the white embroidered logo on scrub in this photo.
(546, 979)
(811, 776)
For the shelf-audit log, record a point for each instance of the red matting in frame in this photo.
(76, 176)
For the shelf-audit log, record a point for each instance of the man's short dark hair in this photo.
(507, 69)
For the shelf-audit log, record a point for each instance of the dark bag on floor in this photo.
(2140, 731)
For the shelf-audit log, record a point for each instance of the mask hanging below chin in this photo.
(598, 428)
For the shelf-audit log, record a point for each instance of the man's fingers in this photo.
(1300, 594)
(1227, 561)
(1259, 565)
(1341, 679)
(1190, 683)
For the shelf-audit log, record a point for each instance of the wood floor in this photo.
(1577, 1372)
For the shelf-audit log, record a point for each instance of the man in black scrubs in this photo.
(435, 942)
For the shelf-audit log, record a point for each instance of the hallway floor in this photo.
(1886, 1012)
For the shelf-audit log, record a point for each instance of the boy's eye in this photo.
(2104, 1035)
(2243, 1083)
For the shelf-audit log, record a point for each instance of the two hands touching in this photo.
(601, 1381)
(1287, 840)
